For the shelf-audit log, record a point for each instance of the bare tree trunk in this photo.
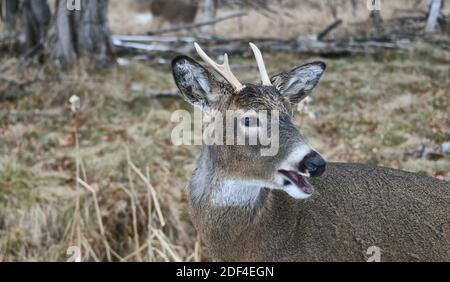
(65, 49)
(375, 15)
(354, 7)
(37, 16)
(332, 6)
(207, 11)
(79, 28)
(8, 13)
(93, 36)
(83, 32)
(434, 10)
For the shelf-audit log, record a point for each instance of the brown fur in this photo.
(406, 215)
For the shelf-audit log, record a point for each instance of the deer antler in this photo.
(223, 69)
(261, 66)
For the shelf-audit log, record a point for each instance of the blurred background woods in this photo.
(108, 179)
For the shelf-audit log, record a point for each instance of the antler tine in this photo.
(261, 66)
(223, 69)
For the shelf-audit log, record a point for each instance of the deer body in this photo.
(252, 207)
(404, 214)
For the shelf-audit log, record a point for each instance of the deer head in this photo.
(295, 160)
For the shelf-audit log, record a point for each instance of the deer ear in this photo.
(296, 83)
(198, 87)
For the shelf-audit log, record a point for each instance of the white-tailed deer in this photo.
(249, 207)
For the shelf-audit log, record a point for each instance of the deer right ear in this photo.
(297, 83)
(197, 85)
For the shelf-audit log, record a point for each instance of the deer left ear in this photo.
(296, 83)
(197, 86)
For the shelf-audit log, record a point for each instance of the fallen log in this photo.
(308, 45)
(143, 47)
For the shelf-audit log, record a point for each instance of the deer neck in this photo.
(211, 184)
(233, 217)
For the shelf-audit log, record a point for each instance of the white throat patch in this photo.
(237, 193)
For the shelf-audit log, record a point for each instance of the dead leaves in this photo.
(67, 140)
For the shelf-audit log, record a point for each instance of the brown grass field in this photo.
(132, 203)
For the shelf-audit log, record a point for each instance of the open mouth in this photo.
(298, 180)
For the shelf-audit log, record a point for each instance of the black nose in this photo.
(313, 164)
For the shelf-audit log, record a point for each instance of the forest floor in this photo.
(369, 109)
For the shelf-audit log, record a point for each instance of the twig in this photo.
(99, 217)
(77, 218)
(163, 255)
(133, 212)
(149, 220)
(152, 191)
(324, 32)
(166, 246)
(83, 170)
(89, 249)
(135, 253)
(197, 255)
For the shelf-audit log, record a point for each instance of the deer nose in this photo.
(313, 164)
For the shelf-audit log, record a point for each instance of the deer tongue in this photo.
(298, 181)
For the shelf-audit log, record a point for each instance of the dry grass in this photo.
(38, 172)
(369, 109)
